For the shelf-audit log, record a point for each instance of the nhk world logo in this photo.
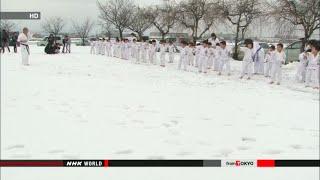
(239, 163)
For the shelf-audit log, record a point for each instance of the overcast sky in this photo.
(69, 9)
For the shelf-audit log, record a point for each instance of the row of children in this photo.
(216, 56)
(203, 57)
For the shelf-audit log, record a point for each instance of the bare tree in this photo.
(198, 16)
(118, 13)
(106, 29)
(141, 21)
(241, 14)
(163, 18)
(83, 29)
(53, 25)
(7, 25)
(304, 13)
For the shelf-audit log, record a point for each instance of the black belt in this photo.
(27, 46)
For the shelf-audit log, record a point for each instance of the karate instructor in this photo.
(23, 40)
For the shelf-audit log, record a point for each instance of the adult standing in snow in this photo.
(23, 40)
(68, 44)
(64, 42)
(14, 41)
(4, 40)
(213, 40)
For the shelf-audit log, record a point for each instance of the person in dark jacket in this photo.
(66, 44)
(4, 40)
(51, 46)
(14, 41)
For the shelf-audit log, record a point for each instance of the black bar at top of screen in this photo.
(157, 163)
(297, 163)
(20, 15)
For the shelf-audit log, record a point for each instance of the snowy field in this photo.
(82, 106)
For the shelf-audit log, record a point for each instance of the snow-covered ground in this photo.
(82, 106)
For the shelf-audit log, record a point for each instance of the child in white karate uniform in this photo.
(210, 55)
(203, 59)
(103, 46)
(312, 75)
(268, 60)
(152, 52)
(191, 52)
(302, 67)
(97, 46)
(144, 51)
(258, 58)
(108, 47)
(224, 55)
(135, 51)
(163, 48)
(279, 59)
(197, 54)
(216, 60)
(93, 47)
(171, 50)
(183, 56)
(247, 61)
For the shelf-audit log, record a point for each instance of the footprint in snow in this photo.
(17, 146)
(166, 125)
(124, 152)
(272, 152)
(184, 153)
(248, 139)
(56, 151)
(243, 148)
(263, 125)
(225, 152)
(206, 119)
(296, 146)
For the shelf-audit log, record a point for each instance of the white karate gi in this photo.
(122, 50)
(103, 47)
(216, 60)
(269, 58)
(191, 52)
(302, 68)
(163, 49)
(108, 48)
(258, 58)
(171, 50)
(152, 53)
(135, 52)
(210, 57)
(224, 55)
(93, 48)
(247, 62)
(144, 51)
(203, 59)
(197, 55)
(126, 51)
(97, 47)
(183, 58)
(312, 75)
(24, 46)
(276, 71)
